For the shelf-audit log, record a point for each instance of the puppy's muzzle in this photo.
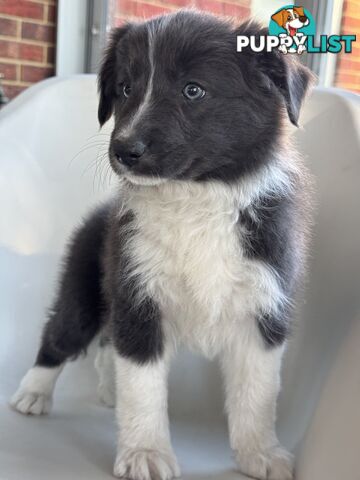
(128, 152)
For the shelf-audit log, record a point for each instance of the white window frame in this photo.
(82, 26)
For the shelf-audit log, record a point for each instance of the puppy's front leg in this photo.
(252, 380)
(144, 449)
(141, 368)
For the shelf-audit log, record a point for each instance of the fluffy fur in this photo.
(203, 246)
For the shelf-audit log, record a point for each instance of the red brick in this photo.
(34, 53)
(351, 25)
(11, 91)
(8, 70)
(9, 49)
(50, 55)
(52, 13)
(347, 62)
(35, 74)
(146, 10)
(8, 27)
(348, 78)
(22, 8)
(351, 8)
(21, 50)
(355, 50)
(179, 3)
(33, 31)
(214, 6)
(126, 7)
(238, 11)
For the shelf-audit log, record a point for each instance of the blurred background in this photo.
(42, 38)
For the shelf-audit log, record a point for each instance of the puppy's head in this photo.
(187, 106)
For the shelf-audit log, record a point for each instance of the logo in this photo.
(292, 25)
(292, 30)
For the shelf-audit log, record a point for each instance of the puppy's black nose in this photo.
(127, 152)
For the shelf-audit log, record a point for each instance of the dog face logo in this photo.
(293, 25)
(291, 19)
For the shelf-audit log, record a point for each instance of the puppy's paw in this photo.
(146, 464)
(34, 395)
(275, 464)
(31, 403)
(106, 394)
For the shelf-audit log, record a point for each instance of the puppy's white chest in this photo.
(188, 254)
(200, 255)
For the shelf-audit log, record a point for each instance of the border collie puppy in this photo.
(203, 246)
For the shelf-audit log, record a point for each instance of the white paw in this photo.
(106, 394)
(283, 49)
(301, 49)
(34, 395)
(275, 464)
(31, 403)
(146, 465)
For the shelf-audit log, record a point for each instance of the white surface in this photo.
(48, 179)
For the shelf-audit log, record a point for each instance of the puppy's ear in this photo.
(108, 75)
(279, 73)
(280, 17)
(289, 77)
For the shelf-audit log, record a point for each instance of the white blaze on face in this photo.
(294, 22)
(291, 13)
(126, 131)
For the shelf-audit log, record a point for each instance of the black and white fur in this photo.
(203, 246)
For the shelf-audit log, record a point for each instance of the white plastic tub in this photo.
(49, 143)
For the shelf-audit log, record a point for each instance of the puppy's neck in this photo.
(272, 179)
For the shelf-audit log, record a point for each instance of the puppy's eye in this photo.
(192, 91)
(126, 90)
(289, 17)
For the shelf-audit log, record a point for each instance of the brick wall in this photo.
(135, 9)
(27, 42)
(348, 65)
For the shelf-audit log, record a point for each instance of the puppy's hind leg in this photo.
(74, 320)
(104, 364)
